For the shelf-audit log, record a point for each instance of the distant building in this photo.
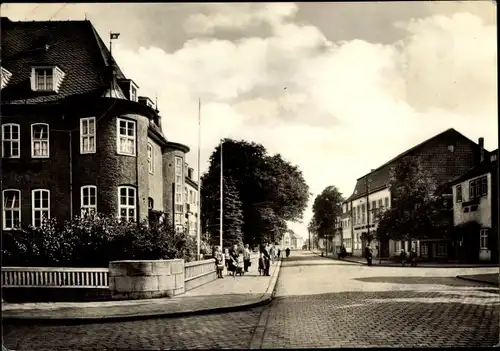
(76, 136)
(191, 201)
(475, 199)
(446, 156)
(291, 240)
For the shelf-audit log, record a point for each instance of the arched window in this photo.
(11, 140)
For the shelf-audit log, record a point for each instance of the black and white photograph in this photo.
(249, 175)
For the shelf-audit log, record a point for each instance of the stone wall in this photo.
(146, 279)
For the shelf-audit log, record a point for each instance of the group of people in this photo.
(230, 259)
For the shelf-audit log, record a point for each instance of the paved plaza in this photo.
(319, 302)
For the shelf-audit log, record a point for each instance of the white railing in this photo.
(54, 277)
(196, 269)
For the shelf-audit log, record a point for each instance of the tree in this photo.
(417, 211)
(326, 208)
(270, 189)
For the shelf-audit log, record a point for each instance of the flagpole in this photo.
(198, 231)
(221, 192)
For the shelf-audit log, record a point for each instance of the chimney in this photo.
(481, 150)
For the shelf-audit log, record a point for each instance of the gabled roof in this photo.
(73, 46)
(378, 178)
(487, 166)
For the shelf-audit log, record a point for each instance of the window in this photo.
(87, 135)
(179, 208)
(441, 250)
(150, 158)
(44, 79)
(483, 239)
(40, 206)
(459, 193)
(88, 196)
(133, 93)
(424, 250)
(11, 140)
(380, 203)
(151, 203)
(363, 219)
(478, 187)
(126, 203)
(126, 137)
(386, 205)
(484, 186)
(11, 209)
(186, 194)
(40, 140)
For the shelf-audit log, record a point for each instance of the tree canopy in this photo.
(326, 208)
(417, 212)
(267, 191)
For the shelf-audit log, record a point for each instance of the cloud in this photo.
(335, 108)
(375, 100)
(238, 16)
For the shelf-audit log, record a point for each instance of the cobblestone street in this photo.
(319, 303)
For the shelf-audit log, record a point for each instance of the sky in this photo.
(336, 88)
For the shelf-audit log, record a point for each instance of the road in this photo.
(319, 303)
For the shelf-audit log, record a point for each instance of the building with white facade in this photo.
(475, 199)
(190, 201)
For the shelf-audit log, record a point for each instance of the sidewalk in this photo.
(220, 295)
(388, 263)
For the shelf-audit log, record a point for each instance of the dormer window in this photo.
(133, 91)
(6, 75)
(48, 78)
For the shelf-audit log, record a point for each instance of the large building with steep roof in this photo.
(76, 135)
(446, 156)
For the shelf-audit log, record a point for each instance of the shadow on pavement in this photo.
(450, 281)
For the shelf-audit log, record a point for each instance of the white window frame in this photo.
(11, 209)
(127, 137)
(127, 206)
(178, 202)
(151, 158)
(12, 141)
(42, 209)
(88, 208)
(36, 71)
(459, 194)
(88, 136)
(40, 140)
(483, 239)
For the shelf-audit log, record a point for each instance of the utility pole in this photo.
(367, 209)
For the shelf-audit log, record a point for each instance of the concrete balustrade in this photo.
(146, 279)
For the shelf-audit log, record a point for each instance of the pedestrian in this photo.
(368, 255)
(266, 259)
(246, 257)
(402, 256)
(219, 258)
(413, 257)
(287, 251)
(279, 253)
(271, 253)
(226, 260)
(233, 266)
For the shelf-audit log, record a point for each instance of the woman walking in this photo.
(246, 257)
(219, 258)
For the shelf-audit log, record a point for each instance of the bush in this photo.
(93, 241)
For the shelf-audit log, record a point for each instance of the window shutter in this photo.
(33, 79)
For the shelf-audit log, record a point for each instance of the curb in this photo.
(477, 280)
(399, 265)
(264, 300)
